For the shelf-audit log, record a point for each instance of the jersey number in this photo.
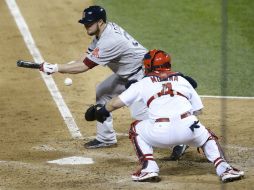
(166, 88)
(128, 37)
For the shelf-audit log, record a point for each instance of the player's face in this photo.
(92, 29)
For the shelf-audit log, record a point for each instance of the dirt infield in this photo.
(33, 131)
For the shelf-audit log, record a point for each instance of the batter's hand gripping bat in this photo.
(28, 64)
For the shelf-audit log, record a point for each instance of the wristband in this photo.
(104, 111)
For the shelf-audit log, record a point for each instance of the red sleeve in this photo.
(89, 63)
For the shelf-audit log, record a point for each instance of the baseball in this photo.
(68, 81)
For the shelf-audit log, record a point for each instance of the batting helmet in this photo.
(93, 14)
(157, 60)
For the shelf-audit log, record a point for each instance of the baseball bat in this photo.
(28, 64)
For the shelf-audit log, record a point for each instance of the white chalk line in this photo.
(240, 148)
(227, 97)
(102, 155)
(49, 81)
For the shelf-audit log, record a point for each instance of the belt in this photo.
(135, 72)
(184, 115)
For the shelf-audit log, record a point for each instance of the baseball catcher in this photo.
(173, 105)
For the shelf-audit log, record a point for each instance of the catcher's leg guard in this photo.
(212, 148)
(143, 151)
(214, 153)
(133, 137)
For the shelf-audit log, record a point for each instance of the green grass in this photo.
(191, 30)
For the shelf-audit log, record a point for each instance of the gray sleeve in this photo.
(105, 52)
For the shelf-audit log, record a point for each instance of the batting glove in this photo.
(49, 68)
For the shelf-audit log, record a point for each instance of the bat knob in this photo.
(19, 63)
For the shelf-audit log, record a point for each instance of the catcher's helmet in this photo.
(157, 60)
(93, 14)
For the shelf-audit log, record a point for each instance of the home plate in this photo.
(74, 160)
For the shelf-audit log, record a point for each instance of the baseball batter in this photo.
(173, 104)
(112, 46)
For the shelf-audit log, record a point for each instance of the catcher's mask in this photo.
(156, 60)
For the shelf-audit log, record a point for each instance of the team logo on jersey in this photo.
(95, 52)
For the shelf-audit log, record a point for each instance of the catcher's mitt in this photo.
(97, 112)
(90, 112)
(101, 114)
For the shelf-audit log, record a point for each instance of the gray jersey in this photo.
(118, 50)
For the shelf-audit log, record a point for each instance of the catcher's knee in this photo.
(214, 138)
(133, 136)
(132, 130)
(212, 135)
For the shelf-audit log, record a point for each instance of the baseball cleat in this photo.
(231, 174)
(97, 144)
(239, 171)
(146, 177)
(178, 152)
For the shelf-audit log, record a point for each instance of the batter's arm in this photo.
(74, 67)
(80, 65)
